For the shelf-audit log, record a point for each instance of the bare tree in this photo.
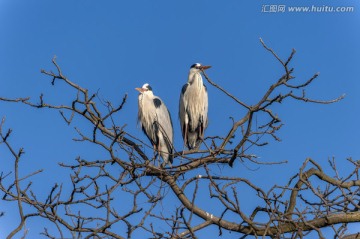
(141, 197)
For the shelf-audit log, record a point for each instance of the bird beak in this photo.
(141, 90)
(205, 67)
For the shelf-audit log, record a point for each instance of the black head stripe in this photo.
(196, 65)
(149, 87)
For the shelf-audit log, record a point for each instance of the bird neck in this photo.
(195, 78)
(147, 95)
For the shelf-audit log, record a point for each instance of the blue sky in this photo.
(115, 46)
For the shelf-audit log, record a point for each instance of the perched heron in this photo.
(193, 107)
(155, 121)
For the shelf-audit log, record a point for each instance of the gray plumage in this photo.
(155, 121)
(193, 107)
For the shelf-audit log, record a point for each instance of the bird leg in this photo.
(209, 148)
(201, 127)
(185, 138)
(156, 152)
(157, 155)
(201, 137)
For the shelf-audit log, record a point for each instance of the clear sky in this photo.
(114, 46)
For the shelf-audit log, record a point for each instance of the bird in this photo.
(193, 107)
(155, 121)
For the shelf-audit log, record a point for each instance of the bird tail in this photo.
(167, 155)
(193, 140)
(166, 148)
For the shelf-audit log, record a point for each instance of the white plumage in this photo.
(193, 107)
(155, 121)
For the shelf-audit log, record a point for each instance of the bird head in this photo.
(198, 67)
(145, 88)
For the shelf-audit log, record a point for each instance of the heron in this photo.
(193, 107)
(155, 121)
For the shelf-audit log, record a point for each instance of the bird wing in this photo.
(206, 106)
(146, 121)
(182, 110)
(165, 123)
